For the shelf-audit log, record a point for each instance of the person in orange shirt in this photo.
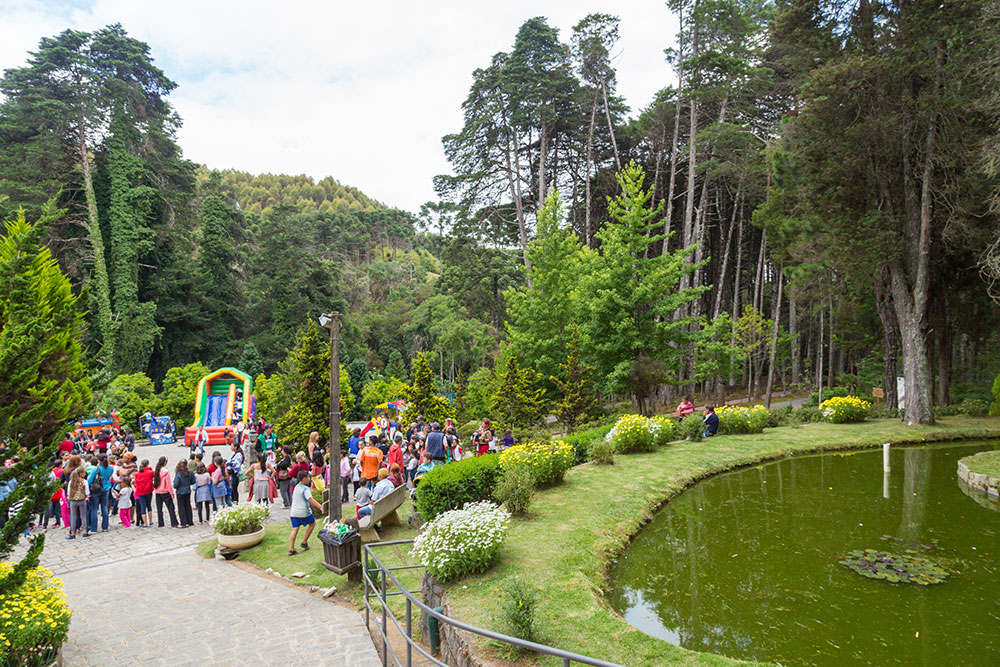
(371, 459)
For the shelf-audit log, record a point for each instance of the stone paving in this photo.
(143, 596)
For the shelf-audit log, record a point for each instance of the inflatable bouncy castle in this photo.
(222, 398)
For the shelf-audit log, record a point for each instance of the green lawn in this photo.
(985, 463)
(272, 553)
(573, 531)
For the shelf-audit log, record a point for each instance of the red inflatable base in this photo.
(216, 434)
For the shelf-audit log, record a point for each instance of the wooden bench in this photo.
(384, 510)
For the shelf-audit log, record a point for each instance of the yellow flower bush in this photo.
(547, 461)
(34, 619)
(637, 433)
(844, 409)
(736, 419)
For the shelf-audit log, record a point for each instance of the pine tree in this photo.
(43, 382)
(576, 390)
(250, 362)
(422, 398)
(395, 368)
(461, 397)
(310, 409)
(357, 371)
(516, 401)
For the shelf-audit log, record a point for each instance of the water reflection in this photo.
(745, 564)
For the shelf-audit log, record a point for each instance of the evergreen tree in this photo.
(357, 371)
(576, 391)
(461, 397)
(218, 289)
(43, 383)
(517, 402)
(631, 298)
(395, 368)
(422, 398)
(250, 360)
(178, 395)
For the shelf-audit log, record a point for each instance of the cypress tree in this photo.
(576, 390)
(250, 362)
(516, 402)
(43, 382)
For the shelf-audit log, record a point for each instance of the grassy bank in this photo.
(574, 530)
(272, 553)
(985, 463)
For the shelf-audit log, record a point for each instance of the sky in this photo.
(362, 92)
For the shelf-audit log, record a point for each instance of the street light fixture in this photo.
(331, 321)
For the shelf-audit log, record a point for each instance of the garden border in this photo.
(614, 540)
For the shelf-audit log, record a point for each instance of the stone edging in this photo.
(456, 645)
(978, 480)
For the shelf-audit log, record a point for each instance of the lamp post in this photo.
(331, 321)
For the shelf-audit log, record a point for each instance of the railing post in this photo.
(364, 574)
(385, 630)
(565, 662)
(409, 634)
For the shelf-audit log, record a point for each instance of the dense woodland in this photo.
(815, 204)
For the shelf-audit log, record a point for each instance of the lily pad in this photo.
(893, 567)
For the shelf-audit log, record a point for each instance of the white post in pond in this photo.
(885, 457)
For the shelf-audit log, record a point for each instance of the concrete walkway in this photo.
(143, 596)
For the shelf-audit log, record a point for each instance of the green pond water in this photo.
(745, 564)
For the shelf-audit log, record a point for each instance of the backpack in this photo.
(97, 483)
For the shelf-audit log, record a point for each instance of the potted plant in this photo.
(241, 526)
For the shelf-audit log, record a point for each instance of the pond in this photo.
(746, 565)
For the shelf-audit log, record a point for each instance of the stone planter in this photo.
(241, 541)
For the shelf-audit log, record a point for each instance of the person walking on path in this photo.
(203, 492)
(78, 493)
(183, 481)
(267, 443)
(125, 502)
(284, 479)
(235, 465)
(100, 489)
(144, 493)
(345, 476)
(371, 459)
(220, 483)
(301, 512)
(164, 491)
(261, 481)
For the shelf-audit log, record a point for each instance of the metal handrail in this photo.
(381, 593)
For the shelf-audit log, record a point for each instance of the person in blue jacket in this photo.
(711, 421)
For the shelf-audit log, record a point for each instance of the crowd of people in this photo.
(101, 479)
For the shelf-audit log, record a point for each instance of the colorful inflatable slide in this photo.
(222, 398)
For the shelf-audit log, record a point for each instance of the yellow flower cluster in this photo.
(34, 619)
(736, 419)
(844, 409)
(547, 461)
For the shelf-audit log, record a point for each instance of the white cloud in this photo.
(361, 93)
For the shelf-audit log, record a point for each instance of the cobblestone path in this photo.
(143, 596)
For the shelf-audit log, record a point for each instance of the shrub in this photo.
(878, 412)
(808, 414)
(583, 440)
(844, 409)
(240, 519)
(466, 430)
(531, 433)
(631, 434)
(518, 600)
(546, 461)
(514, 489)
(602, 452)
(35, 619)
(463, 541)
(735, 419)
(974, 407)
(828, 392)
(690, 428)
(662, 430)
(450, 486)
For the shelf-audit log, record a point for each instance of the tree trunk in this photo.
(793, 331)
(830, 372)
(673, 161)
(736, 294)
(611, 127)
(717, 307)
(590, 161)
(543, 149)
(819, 359)
(514, 182)
(890, 346)
(944, 367)
(774, 341)
(100, 295)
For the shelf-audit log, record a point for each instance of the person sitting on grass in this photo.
(301, 512)
(711, 421)
(685, 408)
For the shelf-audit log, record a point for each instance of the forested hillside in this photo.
(811, 206)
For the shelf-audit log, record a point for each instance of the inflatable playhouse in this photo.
(223, 398)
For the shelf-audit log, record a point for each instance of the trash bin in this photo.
(342, 554)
